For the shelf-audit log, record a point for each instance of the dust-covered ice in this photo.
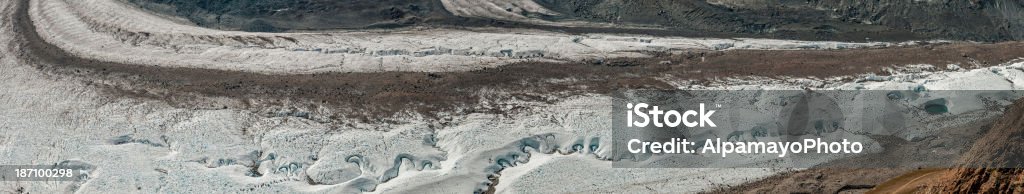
(149, 146)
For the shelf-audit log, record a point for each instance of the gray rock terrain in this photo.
(890, 20)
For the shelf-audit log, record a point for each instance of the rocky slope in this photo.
(946, 19)
(278, 15)
(995, 164)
